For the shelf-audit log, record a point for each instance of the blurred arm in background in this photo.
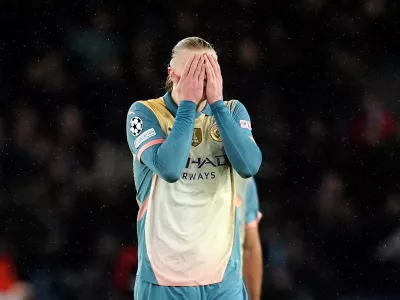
(252, 252)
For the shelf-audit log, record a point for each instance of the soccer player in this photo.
(250, 215)
(186, 146)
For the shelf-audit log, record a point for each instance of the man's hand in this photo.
(190, 85)
(214, 79)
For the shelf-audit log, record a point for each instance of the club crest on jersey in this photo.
(197, 137)
(214, 132)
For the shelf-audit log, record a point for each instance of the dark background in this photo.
(318, 77)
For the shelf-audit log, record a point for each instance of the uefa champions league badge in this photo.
(136, 126)
(214, 133)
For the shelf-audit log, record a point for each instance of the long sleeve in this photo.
(165, 156)
(235, 130)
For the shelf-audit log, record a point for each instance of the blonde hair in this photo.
(189, 43)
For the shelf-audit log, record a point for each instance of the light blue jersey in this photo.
(184, 165)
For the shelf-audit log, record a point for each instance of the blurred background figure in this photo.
(375, 125)
(11, 287)
(125, 271)
(320, 80)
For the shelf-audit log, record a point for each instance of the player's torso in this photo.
(207, 169)
(195, 215)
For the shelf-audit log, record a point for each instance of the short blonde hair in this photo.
(189, 43)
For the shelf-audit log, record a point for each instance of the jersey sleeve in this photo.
(165, 156)
(235, 129)
(253, 214)
(242, 118)
(142, 129)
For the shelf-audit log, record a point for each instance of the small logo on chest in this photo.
(214, 133)
(197, 137)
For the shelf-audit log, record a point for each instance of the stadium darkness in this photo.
(319, 79)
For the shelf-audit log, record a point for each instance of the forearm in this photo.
(243, 153)
(252, 272)
(169, 158)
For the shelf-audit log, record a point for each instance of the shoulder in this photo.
(231, 103)
(145, 108)
(143, 104)
(234, 105)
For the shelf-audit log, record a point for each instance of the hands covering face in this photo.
(201, 71)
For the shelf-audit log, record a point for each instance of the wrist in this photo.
(188, 103)
(216, 104)
(189, 100)
(212, 101)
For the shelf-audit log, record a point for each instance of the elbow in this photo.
(255, 166)
(170, 176)
(168, 170)
(248, 173)
(252, 166)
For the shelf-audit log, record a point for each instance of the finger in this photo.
(199, 67)
(214, 63)
(187, 66)
(202, 74)
(217, 63)
(193, 67)
(209, 69)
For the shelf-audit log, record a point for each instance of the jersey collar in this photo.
(172, 107)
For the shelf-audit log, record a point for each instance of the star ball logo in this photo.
(214, 132)
(136, 126)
